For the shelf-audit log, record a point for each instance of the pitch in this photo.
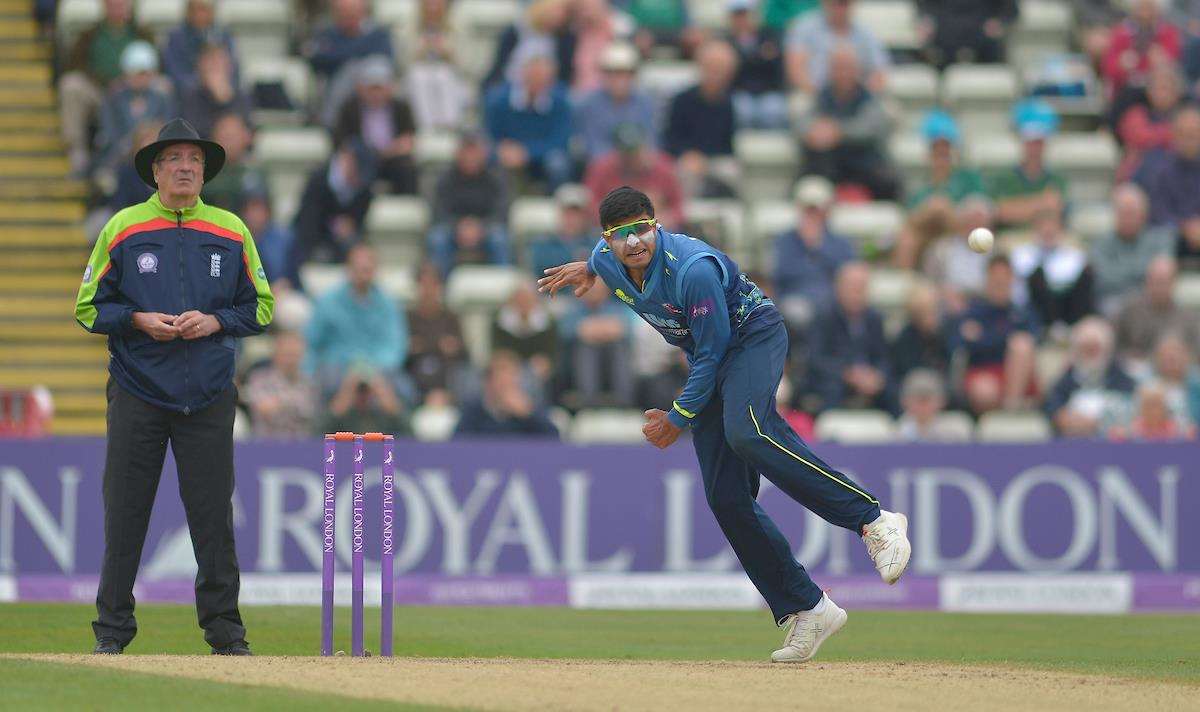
(510, 658)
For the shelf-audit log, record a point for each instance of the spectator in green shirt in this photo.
(1029, 188)
(93, 63)
(663, 23)
(778, 14)
(931, 206)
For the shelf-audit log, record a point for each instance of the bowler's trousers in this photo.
(202, 442)
(739, 436)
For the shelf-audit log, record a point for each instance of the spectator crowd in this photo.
(1087, 332)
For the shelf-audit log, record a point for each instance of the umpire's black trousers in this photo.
(202, 442)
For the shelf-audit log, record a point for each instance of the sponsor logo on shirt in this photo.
(624, 297)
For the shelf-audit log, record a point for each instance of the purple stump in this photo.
(327, 551)
(387, 548)
(356, 539)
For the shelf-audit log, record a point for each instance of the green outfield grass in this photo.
(1148, 646)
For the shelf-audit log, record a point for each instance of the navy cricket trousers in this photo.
(738, 436)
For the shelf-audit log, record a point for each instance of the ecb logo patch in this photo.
(87, 274)
(147, 262)
(214, 265)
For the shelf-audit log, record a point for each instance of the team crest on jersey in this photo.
(214, 265)
(624, 297)
(672, 308)
(147, 262)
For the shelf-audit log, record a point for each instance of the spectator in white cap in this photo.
(758, 86)
(808, 256)
(383, 122)
(617, 101)
(575, 236)
(141, 95)
(922, 400)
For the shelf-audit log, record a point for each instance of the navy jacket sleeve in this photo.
(253, 304)
(704, 302)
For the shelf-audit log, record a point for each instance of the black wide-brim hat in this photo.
(179, 131)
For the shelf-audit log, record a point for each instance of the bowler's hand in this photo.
(659, 430)
(160, 327)
(194, 325)
(572, 274)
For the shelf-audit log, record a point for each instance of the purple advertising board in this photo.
(510, 522)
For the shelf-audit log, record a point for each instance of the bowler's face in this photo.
(633, 241)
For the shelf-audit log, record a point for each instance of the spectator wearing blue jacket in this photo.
(618, 101)
(808, 257)
(505, 408)
(357, 333)
(336, 48)
(181, 55)
(530, 122)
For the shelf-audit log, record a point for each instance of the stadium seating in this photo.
(855, 427)
(260, 27)
(434, 424)
(607, 426)
(954, 426)
(769, 161)
(894, 22)
(1013, 427)
(288, 154)
(399, 282)
(1087, 161)
(397, 224)
(159, 15)
(980, 94)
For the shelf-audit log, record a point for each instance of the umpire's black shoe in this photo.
(237, 647)
(108, 646)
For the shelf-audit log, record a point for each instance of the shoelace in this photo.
(805, 627)
(877, 538)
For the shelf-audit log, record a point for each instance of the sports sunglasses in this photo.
(622, 232)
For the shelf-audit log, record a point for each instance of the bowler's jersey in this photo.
(697, 298)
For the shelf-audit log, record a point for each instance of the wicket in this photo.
(387, 553)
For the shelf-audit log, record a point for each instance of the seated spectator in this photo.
(130, 188)
(779, 14)
(922, 343)
(1029, 187)
(469, 197)
(1093, 394)
(617, 101)
(931, 206)
(1145, 127)
(382, 122)
(1142, 41)
(215, 91)
(575, 237)
(758, 86)
(848, 365)
(366, 403)
(437, 354)
(334, 204)
(663, 23)
(808, 257)
(951, 263)
(525, 328)
(596, 24)
(1152, 419)
(1174, 369)
(337, 47)
(1095, 20)
(543, 30)
(811, 40)
(530, 122)
(91, 67)
(505, 409)
(1054, 276)
(634, 163)
(1144, 320)
(700, 120)
(275, 241)
(437, 90)
(922, 400)
(141, 95)
(1172, 180)
(226, 190)
(597, 337)
(1121, 257)
(357, 336)
(965, 30)
(998, 339)
(845, 133)
(282, 399)
(187, 42)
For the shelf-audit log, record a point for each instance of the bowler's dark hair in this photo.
(622, 205)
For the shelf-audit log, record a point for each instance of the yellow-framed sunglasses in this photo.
(622, 232)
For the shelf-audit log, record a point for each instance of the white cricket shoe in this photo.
(806, 631)
(887, 545)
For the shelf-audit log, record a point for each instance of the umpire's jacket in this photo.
(150, 258)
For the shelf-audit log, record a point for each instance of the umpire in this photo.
(172, 282)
